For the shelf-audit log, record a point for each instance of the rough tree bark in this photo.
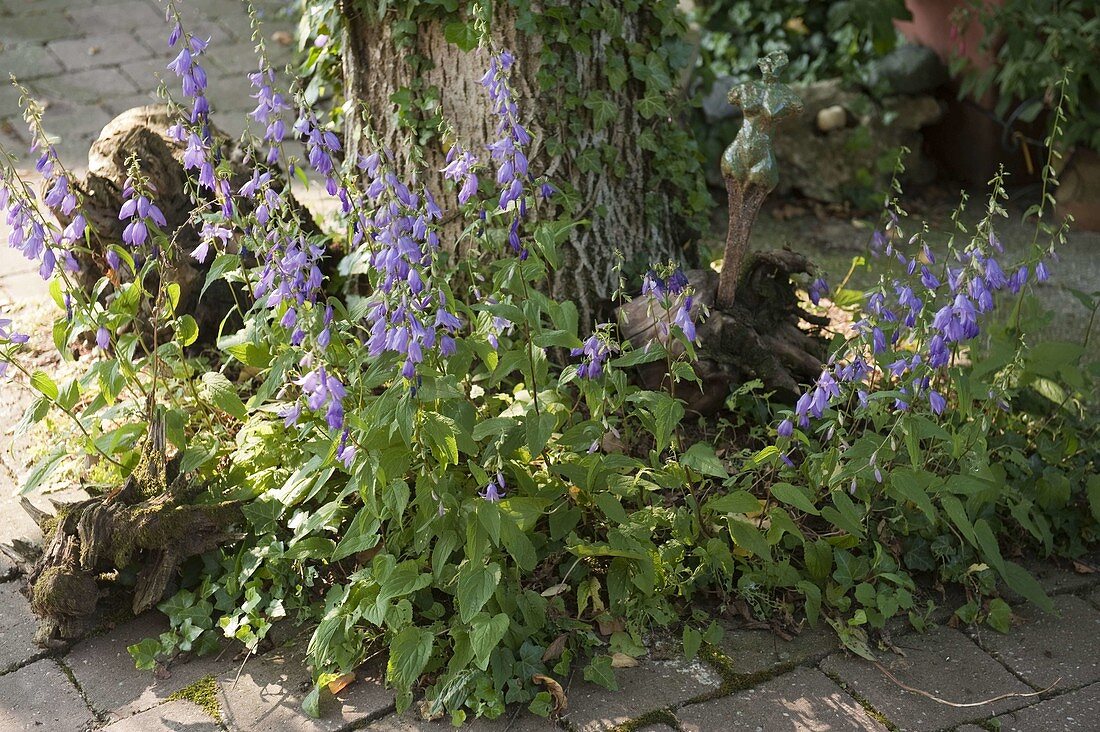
(149, 524)
(631, 213)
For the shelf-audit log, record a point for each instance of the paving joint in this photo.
(859, 699)
(100, 717)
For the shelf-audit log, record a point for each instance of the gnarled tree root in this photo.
(765, 334)
(149, 525)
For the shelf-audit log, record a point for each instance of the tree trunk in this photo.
(615, 182)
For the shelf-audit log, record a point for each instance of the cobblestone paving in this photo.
(89, 60)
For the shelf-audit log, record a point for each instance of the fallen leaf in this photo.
(621, 660)
(560, 702)
(555, 590)
(554, 650)
(339, 684)
(609, 626)
(161, 672)
(1082, 568)
(282, 38)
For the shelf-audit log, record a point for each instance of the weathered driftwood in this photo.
(149, 525)
(757, 328)
(143, 132)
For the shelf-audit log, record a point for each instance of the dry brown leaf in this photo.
(554, 650)
(161, 672)
(621, 660)
(608, 626)
(1082, 568)
(339, 684)
(560, 702)
(282, 38)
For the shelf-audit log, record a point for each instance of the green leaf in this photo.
(41, 381)
(410, 651)
(251, 354)
(794, 496)
(222, 263)
(43, 469)
(485, 634)
(360, 535)
(955, 511)
(812, 593)
(599, 671)
(693, 639)
(539, 430)
(311, 705)
(441, 435)
(908, 483)
(145, 653)
(701, 458)
(1000, 615)
(1026, 586)
(187, 330)
(475, 587)
(845, 516)
(612, 508)
(462, 34)
(217, 390)
(987, 543)
(748, 537)
(1093, 490)
(734, 502)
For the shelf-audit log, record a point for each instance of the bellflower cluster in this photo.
(461, 169)
(507, 150)
(595, 351)
(408, 315)
(190, 72)
(323, 392)
(270, 106)
(921, 321)
(28, 232)
(322, 146)
(291, 275)
(138, 211)
(672, 291)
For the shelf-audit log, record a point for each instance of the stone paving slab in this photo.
(115, 687)
(40, 697)
(17, 626)
(804, 700)
(267, 695)
(1041, 648)
(173, 716)
(761, 651)
(1077, 711)
(101, 49)
(650, 686)
(941, 662)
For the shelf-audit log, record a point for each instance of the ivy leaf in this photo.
(599, 671)
(461, 34)
(145, 653)
(475, 587)
(217, 390)
(485, 634)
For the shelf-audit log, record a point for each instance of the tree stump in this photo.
(143, 132)
(149, 524)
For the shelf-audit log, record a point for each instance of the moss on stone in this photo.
(658, 716)
(203, 692)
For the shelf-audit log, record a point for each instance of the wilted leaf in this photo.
(560, 702)
(621, 660)
(340, 682)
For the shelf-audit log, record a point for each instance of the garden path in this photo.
(89, 60)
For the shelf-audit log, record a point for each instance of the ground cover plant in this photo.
(427, 459)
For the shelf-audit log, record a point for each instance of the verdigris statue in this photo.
(749, 166)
